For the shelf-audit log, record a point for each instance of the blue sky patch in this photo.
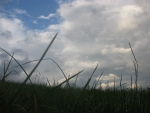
(29, 12)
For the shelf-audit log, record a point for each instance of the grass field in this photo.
(74, 100)
(66, 98)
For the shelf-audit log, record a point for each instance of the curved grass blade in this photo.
(96, 81)
(34, 61)
(5, 70)
(9, 62)
(62, 72)
(57, 66)
(75, 81)
(136, 66)
(59, 85)
(76, 103)
(46, 59)
(22, 69)
(15, 60)
(48, 81)
(11, 72)
(19, 89)
(54, 62)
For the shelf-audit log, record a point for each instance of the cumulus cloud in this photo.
(106, 85)
(127, 17)
(99, 31)
(12, 34)
(47, 17)
(26, 45)
(108, 77)
(20, 11)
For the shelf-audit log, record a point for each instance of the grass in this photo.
(26, 97)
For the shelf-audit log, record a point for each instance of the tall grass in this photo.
(41, 98)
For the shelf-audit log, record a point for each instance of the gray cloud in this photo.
(6, 34)
(5, 58)
(100, 32)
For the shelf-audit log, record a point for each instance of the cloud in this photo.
(12, 34)
(6, 34)
(111, 48)
(128, 14)
(3, 56)
(20, 11)
(108, 77)
(106, 85)
(26, 45)
(47, 17)
(99, 31)
(35, 22)
(21, 56)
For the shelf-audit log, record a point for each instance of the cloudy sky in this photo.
(90, 32)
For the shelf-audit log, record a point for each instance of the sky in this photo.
(90, 32)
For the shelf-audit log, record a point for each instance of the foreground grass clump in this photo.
(63, 100)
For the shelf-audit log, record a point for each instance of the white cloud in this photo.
(47, 17)
(112, 48)
(35, 22)
(134, 86)
(26, 44)
(106, 85)
(108, 77)
(53, 27)
(15, 29)
(20, 11)
(84, 65)
(128, 17)
(101, 30)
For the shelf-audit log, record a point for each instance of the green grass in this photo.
(63, 100)
(66, 98)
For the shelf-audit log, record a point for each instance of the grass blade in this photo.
(135, 66)
(76, 103)
(58, 85)
(19, 89)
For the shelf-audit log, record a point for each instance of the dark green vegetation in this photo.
(65, 100)
(38, 98)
